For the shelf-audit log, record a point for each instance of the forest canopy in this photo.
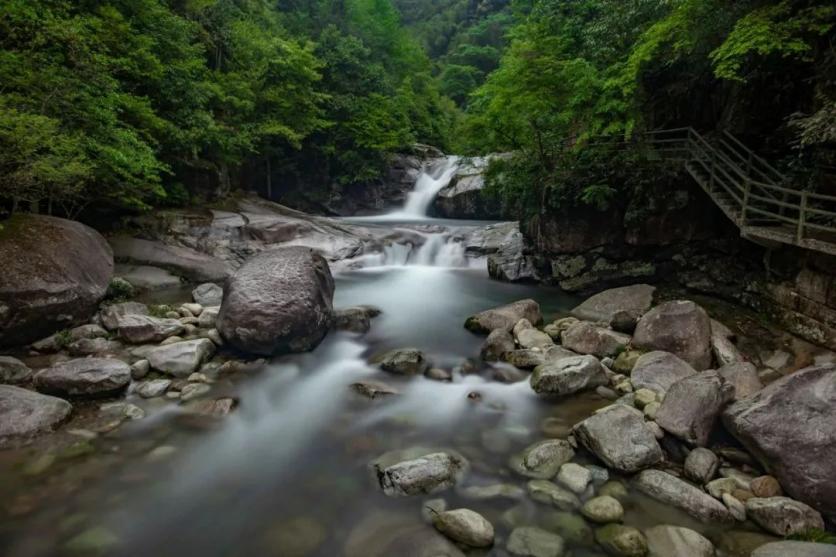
(134, 104)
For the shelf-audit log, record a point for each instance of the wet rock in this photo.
(620, 438)
(208, 317)
(180, 359)
(208, 294)
(431, 508)
(575, 477)
(212, 408)
(675, 541)
(498, 343)
(84, 377)
(143, 329)
(620, 540)
(24, 413)
(678, 493)
(603, 509)
(765, 486)
(568, 375)
(679, 327)
(55, 273)
(13, 370)
(692, 405)
(550, 493)
(717, 488)
(586, 338)
(743, 376)
(494, 491)
(355, 319)
(182, 261)
(644, 397)
(532, 338)
(93, 346)
(529, 541)
(701, 465)
(89, 331)
(403, 361)
(509, 263)
(634, 301)
(543, 459)
(153, 388)
(736, 508)
(194, 309)
(438, 374)
(788, 427)
(278, 301)
(525, 359)
(193, 391)
(659, 370)
(429, 473)
(722, 345)
(795, 549)
(466, 527)
(783, 516)
(614, 489)
(111, 314)
(140, 369)
(373, 389)
(504, 317)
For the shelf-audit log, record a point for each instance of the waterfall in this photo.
(429, 183)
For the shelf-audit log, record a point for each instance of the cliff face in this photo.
(676, 235)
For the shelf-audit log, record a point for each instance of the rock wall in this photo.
(464, 196)
(675, 234)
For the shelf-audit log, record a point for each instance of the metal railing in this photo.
(756, 196)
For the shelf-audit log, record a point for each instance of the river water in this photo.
(286, 474)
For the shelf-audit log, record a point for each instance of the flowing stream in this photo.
(286, 474)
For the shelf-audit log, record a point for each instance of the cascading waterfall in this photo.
(429, 183)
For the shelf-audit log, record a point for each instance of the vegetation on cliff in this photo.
(129, 102)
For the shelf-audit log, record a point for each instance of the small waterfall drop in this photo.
(429, 183)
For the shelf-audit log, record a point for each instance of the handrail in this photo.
(745, 185)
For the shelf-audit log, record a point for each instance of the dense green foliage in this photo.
(576, 71)
(128, 103)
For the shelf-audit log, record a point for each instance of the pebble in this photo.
(603, 509)
(140, 369)
(701, 465)
(765, 486)
(644, 397)
(736, 508)
(574, 477)
(466, 527)
(193, 391)
(651, 409)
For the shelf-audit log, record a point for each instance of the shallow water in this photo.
(286, 474)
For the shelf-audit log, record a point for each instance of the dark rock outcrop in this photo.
(55, 273)
(185, 262)
(789, 427)
(279, 301)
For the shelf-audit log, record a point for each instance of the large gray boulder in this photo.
(180, 359)
(692, 406)
(620, 437)
(632, 301)
(55, 273)
(567, 376)
(498, 343)
(679, 327)
(141, 329)
(789, 427)
(586, 338)
(182, 261)
(783, 516)
(659, 370)
(504, 317)
(25, 413)
(678, 493)
(84, 377)
(279, 301)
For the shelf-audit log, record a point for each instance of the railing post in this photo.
(802, 217)
(747, 187)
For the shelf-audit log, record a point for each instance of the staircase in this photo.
(750, 191)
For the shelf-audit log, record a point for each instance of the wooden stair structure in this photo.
(755, 196)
